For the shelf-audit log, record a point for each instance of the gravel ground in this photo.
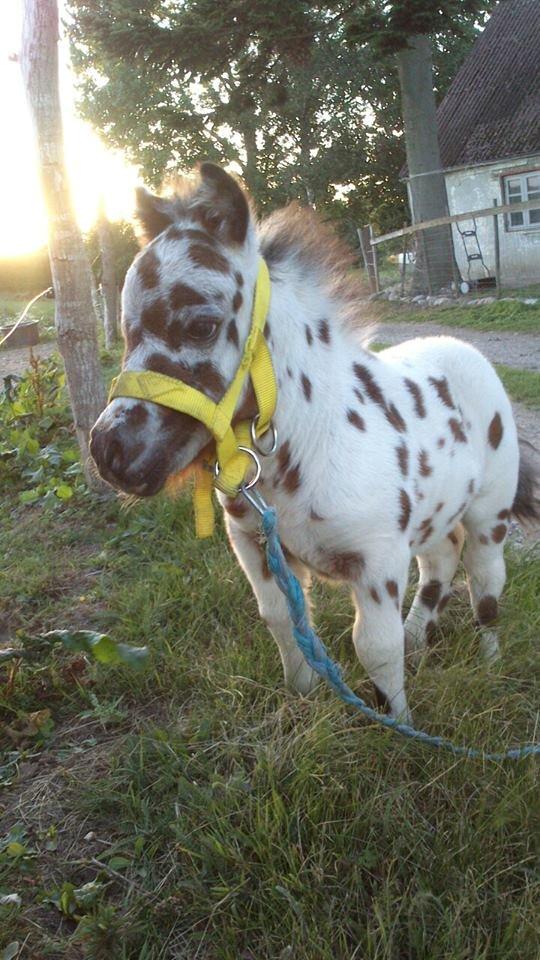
(514, 349)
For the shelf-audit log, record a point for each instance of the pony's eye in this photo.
(202, 331)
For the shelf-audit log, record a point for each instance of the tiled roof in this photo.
(492, 109)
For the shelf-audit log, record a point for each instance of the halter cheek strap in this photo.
(228, 468)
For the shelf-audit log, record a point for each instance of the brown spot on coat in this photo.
(427, 530)
(236, 507)
(443, 391)
(374, 593)
(453, 538)
(375, 394)
(487, 610)
(392, 591)
(431, 633)
(441, 442)
(457, 430)
(495, 431)
(405, 509)
(306, 386)
(239, 279)
(417, 396)
(324, 331)
(137, 415)
(498, 533)
(394, 417)
(483, 539)
(292, 479)
(154, 318)
(457, 512)
(470, 488)
(439, 507)
(284, 457)
(148, 269)
(359, 395)
(204, 255)
(423, 464)
(309, 335)
(237, 303)
(232, 333)
(403, 458)
(356, 420)
(344, 566)
(183, 296)
(504, 514)
(203, 376)
(430, 594)
(313, 515)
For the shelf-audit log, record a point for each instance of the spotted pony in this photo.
(381, 456)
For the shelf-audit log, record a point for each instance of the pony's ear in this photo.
(223, 205)
(154, 214)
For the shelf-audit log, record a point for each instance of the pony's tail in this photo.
(526, 506)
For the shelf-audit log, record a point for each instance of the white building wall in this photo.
(474, 188)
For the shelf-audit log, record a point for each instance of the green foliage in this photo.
(522, 385)
(37, 448)
(279, 89)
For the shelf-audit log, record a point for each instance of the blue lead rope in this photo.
(316, 655)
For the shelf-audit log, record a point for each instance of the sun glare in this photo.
(94, 170)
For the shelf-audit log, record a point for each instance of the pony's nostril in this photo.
(114, 457)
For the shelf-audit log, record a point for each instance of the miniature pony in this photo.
(380, 457)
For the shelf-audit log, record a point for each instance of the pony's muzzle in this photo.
(119, 456)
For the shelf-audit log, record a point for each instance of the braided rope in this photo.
(317, 657)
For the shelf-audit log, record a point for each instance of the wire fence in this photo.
(493, 251)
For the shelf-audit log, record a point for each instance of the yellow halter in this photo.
(228, 468)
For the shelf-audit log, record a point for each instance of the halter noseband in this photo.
(227, 469)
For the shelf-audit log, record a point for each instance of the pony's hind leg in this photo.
(437, 568)
(272, 606)
(486, 573)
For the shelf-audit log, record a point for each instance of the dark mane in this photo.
(296, 233)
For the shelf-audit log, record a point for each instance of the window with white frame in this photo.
(517, 189)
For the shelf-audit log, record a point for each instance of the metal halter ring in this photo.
(256, 440)
(257, 462)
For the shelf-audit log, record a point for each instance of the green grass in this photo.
(226, 818)
(522, 385)
(507, 315)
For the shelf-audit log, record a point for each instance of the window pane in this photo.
(514, 190)
(534, 216)
(533, 185)
(516, 219)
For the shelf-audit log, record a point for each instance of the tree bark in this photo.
(109, 284)
(436, 265)
(75, 318)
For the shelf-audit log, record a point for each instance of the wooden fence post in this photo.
(365, 235)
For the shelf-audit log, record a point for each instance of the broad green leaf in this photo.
(100, 646)
(15, 849)
(29, 496)
(63, 491)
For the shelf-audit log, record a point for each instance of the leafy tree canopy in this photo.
(294, 94)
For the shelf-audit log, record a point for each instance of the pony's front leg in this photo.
(272, 606)
(379, 640)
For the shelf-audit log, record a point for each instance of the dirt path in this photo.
(514, 349)
(17, 360)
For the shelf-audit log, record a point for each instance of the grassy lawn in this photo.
(521, 385)
(197, 809)
(506, 315)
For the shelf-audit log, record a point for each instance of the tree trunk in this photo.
(426, 183)
(108, 279)
(75, 318)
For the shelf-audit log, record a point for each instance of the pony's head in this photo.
(186, 312)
